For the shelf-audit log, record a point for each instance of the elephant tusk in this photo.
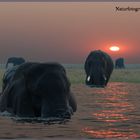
(88, 79)
(104, 77)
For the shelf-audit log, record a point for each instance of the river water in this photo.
(112, 112)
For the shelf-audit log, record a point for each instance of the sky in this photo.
(66, 32)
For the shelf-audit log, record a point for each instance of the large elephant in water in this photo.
(38, 90)
(15, 61)
(98, 68)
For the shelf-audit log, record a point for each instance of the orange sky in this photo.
(67, 32)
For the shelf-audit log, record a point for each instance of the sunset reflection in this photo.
(111, 118)
(110, 133)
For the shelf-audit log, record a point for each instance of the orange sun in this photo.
(114, 48)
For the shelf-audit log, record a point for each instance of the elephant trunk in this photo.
(55, 109)
(45, 109)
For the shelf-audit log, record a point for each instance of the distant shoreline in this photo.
(71, 65)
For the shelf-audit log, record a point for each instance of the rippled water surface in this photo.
(113, 112)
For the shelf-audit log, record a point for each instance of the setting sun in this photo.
(114, 48)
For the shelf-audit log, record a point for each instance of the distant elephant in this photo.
(39, 90)
(15, 61)
(119, 63)
(8, 75)
(98, 68)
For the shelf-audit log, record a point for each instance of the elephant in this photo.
(15, 61)
(119, 63)
(98, 67)
(8, 75)
(39, 90)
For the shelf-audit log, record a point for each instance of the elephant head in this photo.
(98, 67)
(96, 74)
(49, 89)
